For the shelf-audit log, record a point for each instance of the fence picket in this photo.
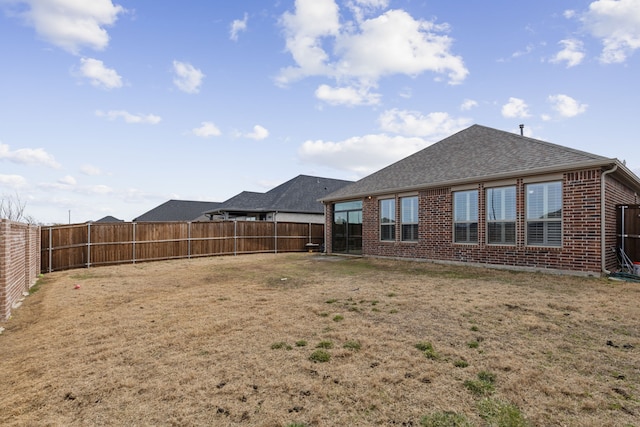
(94, 244)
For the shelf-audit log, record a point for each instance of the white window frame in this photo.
(469, 217)
(545, 221)
(391, 219)
(409, 219)
(499, 215)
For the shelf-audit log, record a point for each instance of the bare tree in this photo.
(13, 209)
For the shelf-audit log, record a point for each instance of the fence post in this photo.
(133, 243)
(275, 234)
(235, 237)
(189, 240)
(50, 249)
(88, 244)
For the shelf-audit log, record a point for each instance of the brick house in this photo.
(487, 197)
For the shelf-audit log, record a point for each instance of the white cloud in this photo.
(350, 96)
(90, 170)
(360, 8)
(28, 156)
(259, 133)
(304, 30)
(572, 52)
(617, 24)
(527, 50)
(238, 25)
(206, 130)
(468, 104)
(367, 50)
(569, 13)
(98, 74)
(71, 24)
(515, 108)
(361, 155)
(68, 180)
(566, 106)
(188, 78)
(412, 123)
(12, 181)
(396, 43)
(130, 118)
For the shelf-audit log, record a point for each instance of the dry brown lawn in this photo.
(227, 341)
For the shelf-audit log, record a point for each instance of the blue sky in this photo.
(112, 107)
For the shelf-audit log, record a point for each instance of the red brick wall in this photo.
(616, 194)
(581, 245)
(19, 262)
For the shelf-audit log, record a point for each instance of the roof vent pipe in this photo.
(521, 130)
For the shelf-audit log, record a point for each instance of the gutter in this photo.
(603, 260)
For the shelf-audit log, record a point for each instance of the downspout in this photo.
(603, 257)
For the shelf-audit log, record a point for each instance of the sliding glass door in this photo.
(347, 228)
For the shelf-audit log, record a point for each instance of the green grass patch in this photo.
(483, 386)
(499, 413)
(325, 344)
(338, 318)
(301, 343)
(460, 363)
(331, 301)
(352, 345)
(280, 345)
(445, 419)
(427, 349)
(473, 344)
(36, 286)
(320, 356)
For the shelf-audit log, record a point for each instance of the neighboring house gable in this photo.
(487, 197)
(178, 210)
(294, 200)
(109, 218)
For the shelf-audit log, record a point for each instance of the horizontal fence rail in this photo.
(66, 247)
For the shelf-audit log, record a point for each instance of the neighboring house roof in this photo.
(110, 218)
(477, 153)
(298, 195)
(178, 210)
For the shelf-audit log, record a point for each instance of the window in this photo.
(501, 215)
(544, 214)
(465, 216)
(388, 219)
(409, 218)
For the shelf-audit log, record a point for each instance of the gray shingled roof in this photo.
(177, 210)
(109, 218)
(298, 195)
(473, 154)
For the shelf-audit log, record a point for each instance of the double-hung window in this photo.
(388, 219)
(501, 215)
(409, 218)
(544, 214)
(465, 211)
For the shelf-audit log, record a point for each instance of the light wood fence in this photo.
(92, 244)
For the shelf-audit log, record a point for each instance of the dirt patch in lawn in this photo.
(291, 340)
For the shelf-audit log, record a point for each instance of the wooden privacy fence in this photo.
(92, 244)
